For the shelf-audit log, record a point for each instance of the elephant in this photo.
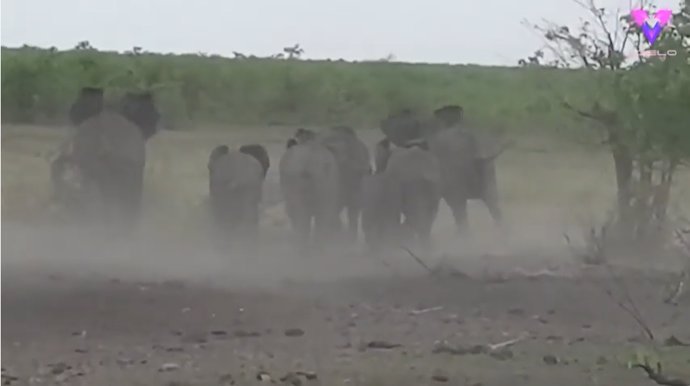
(407, 183)
(310, 182)
(235, 189)
(354, 163)
(467, 159)
(108, 150)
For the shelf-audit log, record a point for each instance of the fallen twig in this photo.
(507, 343)
(417, 259)
(425, 310)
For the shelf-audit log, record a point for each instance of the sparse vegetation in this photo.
(196, 89)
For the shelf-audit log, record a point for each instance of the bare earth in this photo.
(165, 309)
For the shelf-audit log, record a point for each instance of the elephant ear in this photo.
(216, 153)
(290, 143)
(140, 109)
(259, 153)
(89, 103)
(449, 115)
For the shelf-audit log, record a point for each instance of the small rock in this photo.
(516, 311)
(439, 378)
(550, 360)
(226, 380)
(263, 376)
(602, 361)
(380, 344)
(168, 367)
(291, 379)
(293, 332)
(219, 333)
(309, 375)
(81, 350)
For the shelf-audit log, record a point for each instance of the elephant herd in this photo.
(418, 162)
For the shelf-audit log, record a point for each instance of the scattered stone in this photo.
(439, 377)
(7, 379)
(291, 379)
(294, 332)
(124, 361)
(602, 361)
(168, 367)
(516, 311)
(309, 375)
(81, 351)
(263, 376)
(246, 334)
(554, 338)
(586, 326)
(219, 333)
(380, 344)
(502, 355)
(226, 380)
(550, 360)
(174, 349)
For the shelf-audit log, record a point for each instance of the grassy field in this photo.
(38, 86)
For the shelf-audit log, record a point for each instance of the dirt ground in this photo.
(164, 308)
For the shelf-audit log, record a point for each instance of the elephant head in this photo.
(290, 143)
(402, 127)
(449, 115)
(303, 135)
(139, 108)
(259, 152)
(89, 102)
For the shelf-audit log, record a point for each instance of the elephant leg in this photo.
(353, 215)
(458, 205)
(490, 192)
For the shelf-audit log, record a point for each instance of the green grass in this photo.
(38, 86)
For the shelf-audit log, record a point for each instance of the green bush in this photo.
(38, 85)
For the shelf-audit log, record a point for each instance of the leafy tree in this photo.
(641, 103)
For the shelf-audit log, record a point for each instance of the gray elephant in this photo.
(354, 163)
(235, 187)
(310, 182)
(467, 159)
(401, 200)
(109, 152)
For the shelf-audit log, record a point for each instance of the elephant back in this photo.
(108, 138)
(402, 128)
(414, 165)
(350, 152)
(236, 169)
(259, 153)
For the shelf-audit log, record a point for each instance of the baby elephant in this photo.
(407, 184)
(235, 185)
